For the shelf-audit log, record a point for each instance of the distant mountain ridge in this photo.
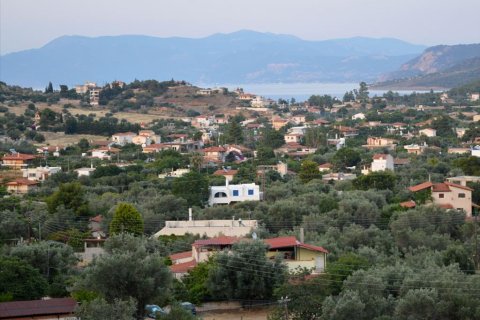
(439, 66)
(239, 57)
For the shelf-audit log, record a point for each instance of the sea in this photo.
(300, 91)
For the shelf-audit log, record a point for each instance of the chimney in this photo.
(226, 182)
(302, 235)
(190, 215)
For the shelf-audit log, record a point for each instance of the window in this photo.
(235, 193)
(250, 192)
(441, 195)
(461, 195)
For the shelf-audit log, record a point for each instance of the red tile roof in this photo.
(454, 185)
(325, 165)
(215, 149)
(223, 240)
(440, 187)
(183, 267)
(19, 156)
(421, 186)
(225, 172)
(446, 206)
(181, 255)
(408, 204)
(379, 156)
(97, 218)
(22, 182)
(283, 242)
(56, 306)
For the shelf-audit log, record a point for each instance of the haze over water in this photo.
(301, 91)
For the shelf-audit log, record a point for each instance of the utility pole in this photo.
(476, 239)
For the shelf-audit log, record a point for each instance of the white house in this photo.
(85, 171)
(358, 116)
(104, 153)
(174, 174)
(382, 162)
(474, 96)
(123, 138)
(40, 173)
(429, 132)
(476, 151)
(233, 193)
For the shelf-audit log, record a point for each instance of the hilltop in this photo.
(239, 57)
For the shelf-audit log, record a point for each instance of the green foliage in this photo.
(339, 270)
(346, 157)
(193, 187)
(380, 180)
(128, 270)
(309, 171)
(70, 196)
(126, 219)
(234, 133)
(100, 309)
(245, 273)
(20, 281)
(196, 282)
(470, 166)
(177, 313)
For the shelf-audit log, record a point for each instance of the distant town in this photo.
(160, 199)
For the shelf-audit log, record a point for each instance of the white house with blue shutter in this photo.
(233, 193)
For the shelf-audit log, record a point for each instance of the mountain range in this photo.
(239, 57)
(439, 66)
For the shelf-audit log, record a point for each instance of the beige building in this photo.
(21, 186)
(379, 142)
(17, 160)
(448, 195)
(428, 132)
(210, 228)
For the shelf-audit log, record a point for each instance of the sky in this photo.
(27, 24)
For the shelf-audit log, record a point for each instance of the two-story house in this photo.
(233, 193)
(17, 160)
(123, 138)
(448, 195)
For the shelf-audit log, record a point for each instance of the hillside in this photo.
(437, 67)
(240, 57)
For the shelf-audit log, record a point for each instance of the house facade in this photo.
(40, 173)
(17, 161)
(382, 162)
(233, 193)
(21, 186)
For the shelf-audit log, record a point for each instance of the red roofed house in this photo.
(227, 173)
(17, 160)
(295, 253)
(21, 186)
(448, 195)
(56, 308)
(215, 154)
(325, 167)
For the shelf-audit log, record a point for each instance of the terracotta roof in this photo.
(223, 240)
(379, 156)
(283, 242)
(214, 149)
(399, 124)
(400, 161)
(183, 267)
(454, 185)
(225, 172)
(19, 156)
(22, 181)
(325, 166)
(440, 187)
(408, 204)
(421, 186)
(446, 206)
(181, 255)
(33, 308)
(97, 218)
(106, 149)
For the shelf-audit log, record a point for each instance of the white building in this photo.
(123, 138)
(428, 132)
(210, 228)
(174, 174)
(40, 173)
(233, 193)
(474, 96)
(358, 116)
(85, 171)
(476, 151)
(382, 162)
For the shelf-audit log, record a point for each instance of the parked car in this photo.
(152, 311)
(189, 307)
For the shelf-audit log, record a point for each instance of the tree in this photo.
(234, 133)
(245, 273)
(339, 270)
(20, 281)
(131, 270)
(362, 93)
(54, 260)
(126, 219)
(100, 309)
(346, 157)
(193, 187)
(196, 282)
(70, 196)
(380, 180)
(309, 171)
(49, 88)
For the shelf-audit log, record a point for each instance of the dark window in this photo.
(441, 195)
(461, 195)
(250, 192)
(235, 193)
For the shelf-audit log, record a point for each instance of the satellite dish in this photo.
(254, 235)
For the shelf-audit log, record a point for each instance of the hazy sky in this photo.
(26, 24)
